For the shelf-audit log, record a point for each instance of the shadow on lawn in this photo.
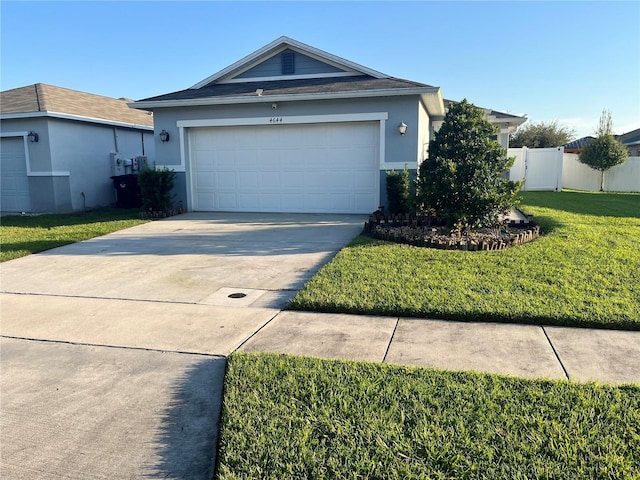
(586, 203)
(70, 219)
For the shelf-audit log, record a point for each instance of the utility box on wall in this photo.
(117, 164)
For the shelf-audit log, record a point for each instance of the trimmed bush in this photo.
(155, 189)
(398, 191)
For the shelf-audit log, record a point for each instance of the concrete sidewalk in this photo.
(581, 354)
(103, 388)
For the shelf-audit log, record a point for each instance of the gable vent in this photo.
(288, 63)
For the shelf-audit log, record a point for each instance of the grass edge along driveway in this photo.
(22, 235)
(585, 271)
(286, 417)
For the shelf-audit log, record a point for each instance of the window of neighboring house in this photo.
(288, 63)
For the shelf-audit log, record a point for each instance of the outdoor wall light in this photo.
(402, 128)
(164, 136)
(33, 137)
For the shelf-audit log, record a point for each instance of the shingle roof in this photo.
(493, 113)
(631, 137)
(579, 143)
(290, 87)
(41, 97)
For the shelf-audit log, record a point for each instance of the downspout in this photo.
(115, 139)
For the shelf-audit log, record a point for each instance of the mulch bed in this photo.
(416, 231)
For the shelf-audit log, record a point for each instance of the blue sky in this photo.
(564, 61)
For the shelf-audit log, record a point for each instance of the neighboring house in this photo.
(56, 146)
(291, 128)
(631, 140)
(576, 146)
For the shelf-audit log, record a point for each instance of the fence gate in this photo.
(540, 167)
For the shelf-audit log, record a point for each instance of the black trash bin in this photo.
(127, 191)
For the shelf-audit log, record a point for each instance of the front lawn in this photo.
(584, 272)
(289, 418)
(22, 235)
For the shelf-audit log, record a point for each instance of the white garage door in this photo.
(316, 168)
(14, 182)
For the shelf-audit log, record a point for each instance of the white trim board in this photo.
(283, 120)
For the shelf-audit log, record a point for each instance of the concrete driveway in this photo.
(112, 348)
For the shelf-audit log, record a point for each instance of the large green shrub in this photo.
(461, 180)
(155, 189)
(399, 191)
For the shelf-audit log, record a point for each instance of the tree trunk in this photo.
(602, 181)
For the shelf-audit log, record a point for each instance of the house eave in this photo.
(78, 118)
(507, 122)
(431, 96)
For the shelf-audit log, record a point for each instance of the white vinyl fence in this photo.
(551, 169)
(540, 167)
(621, 178)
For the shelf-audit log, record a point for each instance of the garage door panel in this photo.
(288, 168)
(226, 180)
(206, 201)
(248, 180)
(249, 201)
(205, 182)
(227, 201)
(270, 201)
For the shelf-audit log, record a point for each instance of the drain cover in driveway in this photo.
(234, 297)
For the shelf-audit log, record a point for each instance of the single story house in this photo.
(631, 140)
(291, 128)
(57, 146)
(576, 146)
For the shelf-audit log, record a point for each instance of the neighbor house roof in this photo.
(348, 80)
(41, 99)
(579, 143)
(630, 138)
(496, 117)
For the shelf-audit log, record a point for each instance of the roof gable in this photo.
(265, 64)
(43, 98)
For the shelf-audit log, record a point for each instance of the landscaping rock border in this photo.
(411, 230)
(167, 213)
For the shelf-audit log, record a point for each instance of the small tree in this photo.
(461, 180)
(399, 191)
(541, 135)
(604, 151)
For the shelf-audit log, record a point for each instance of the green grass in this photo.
(290, 418)
(585, 271)
(24, 235)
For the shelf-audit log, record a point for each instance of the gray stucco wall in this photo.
(83, 149)
(70, 164)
